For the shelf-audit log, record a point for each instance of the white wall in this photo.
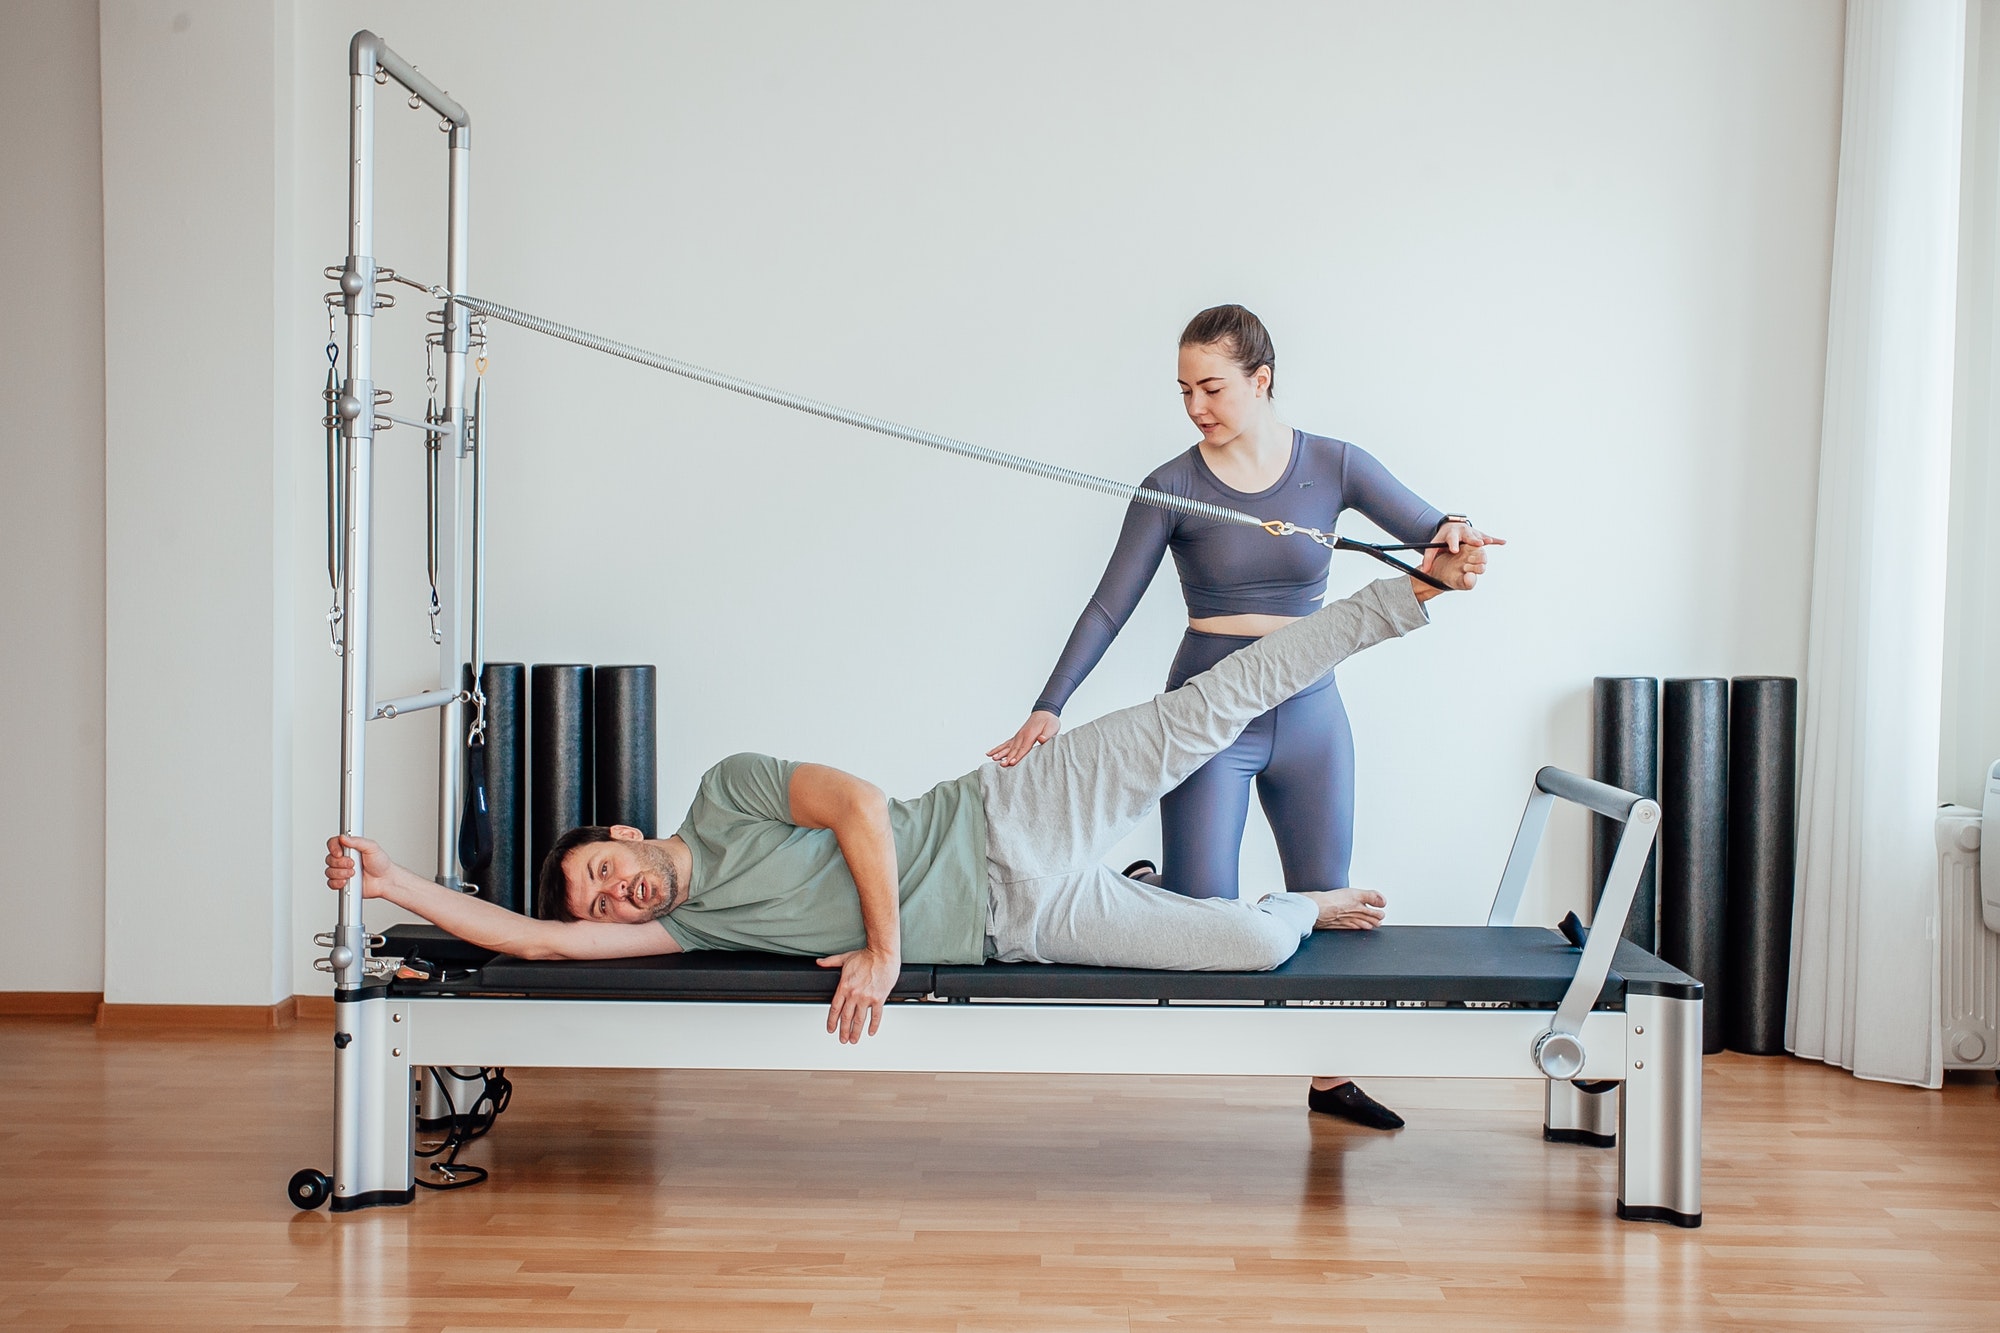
(51, 502)
(1560, 265)
(199, 341)
(1970, 737)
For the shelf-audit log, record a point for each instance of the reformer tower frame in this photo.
(370, 1149)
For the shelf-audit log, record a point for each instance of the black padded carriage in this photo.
(1401, 966)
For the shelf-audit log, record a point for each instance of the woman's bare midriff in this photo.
(1246, 626)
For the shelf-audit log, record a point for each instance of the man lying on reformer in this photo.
(1002, 864)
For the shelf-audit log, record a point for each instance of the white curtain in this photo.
(1864, 938)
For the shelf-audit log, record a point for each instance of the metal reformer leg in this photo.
(372, 1105)
(1578, 1113)
(1659, 1113)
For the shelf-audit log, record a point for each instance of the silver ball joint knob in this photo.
(340, 956)
(1559, 1054)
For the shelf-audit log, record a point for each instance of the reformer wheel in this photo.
(308, 1189)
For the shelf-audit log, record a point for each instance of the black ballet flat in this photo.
(1140, 868)
(1349, 1102)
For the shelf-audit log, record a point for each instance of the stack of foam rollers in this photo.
(566, 744)
(1716, 897)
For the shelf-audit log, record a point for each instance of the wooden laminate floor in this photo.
(141, 1186)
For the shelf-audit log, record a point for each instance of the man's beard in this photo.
(663, 865)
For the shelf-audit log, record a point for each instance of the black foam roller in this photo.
(559, 755)
(1763, 852)
(1694, 839)
(627, 747)
(1625, 752)
(505, 685)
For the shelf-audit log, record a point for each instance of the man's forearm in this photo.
(868, 845)
(471, 919)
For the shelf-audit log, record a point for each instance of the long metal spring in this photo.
(1033, 467)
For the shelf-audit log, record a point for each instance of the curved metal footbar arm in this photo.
(1559, 1051)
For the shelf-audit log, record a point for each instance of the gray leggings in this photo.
(1052, 817)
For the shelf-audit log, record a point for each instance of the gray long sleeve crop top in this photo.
(1232, 569)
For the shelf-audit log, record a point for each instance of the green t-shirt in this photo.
(762, 882)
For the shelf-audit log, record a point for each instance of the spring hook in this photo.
(433, 455)
(336, 500)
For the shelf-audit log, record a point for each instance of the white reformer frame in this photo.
(1630, 1075)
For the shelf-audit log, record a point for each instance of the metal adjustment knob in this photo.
(340, 956)
(1559, 1054)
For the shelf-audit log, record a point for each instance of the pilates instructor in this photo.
(1240, 585)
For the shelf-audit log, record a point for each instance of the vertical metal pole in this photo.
(371, 1072)
(452, 654)
(371, 1136)
(357, 415)
(479, 436)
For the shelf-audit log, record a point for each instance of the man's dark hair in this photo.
(1238, 332)
(551, 892)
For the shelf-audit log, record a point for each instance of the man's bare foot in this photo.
(1347, 909)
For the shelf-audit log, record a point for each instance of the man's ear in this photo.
(626, 833)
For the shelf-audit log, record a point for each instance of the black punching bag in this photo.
(1694, 839)
(505, 685)
(560, 763)
(627, 751)
(1763, 852)
(1625, 752)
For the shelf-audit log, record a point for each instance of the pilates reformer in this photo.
(1614, 1031)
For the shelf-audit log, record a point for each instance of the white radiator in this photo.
(1968, 952)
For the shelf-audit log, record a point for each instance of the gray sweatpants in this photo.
(1051, 818)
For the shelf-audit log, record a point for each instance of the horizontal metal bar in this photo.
(427, 427)
(1033, 467)
(414, 703)
(367, 53)
(1607, 800)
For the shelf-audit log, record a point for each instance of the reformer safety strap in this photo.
(944, 443)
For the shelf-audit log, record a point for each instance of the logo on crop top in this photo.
(1304, 484)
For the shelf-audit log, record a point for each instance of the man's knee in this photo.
(1271, 942)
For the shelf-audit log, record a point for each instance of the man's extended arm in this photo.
(486, 924)
(858, 814)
